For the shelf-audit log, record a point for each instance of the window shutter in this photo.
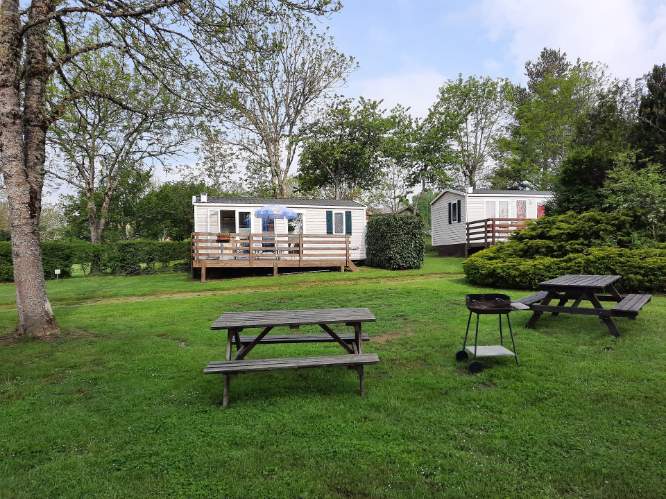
(459, 211)
(449, 213)
(348, 223)
(329, 222)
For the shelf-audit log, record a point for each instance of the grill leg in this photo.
(513, 343)
(499, 316)
(476, 335)
(469, 319)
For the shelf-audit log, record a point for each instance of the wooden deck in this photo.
(270, 250)
(490, 231)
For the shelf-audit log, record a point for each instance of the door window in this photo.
(244, 222)
(227, 221)
(503, 209)
(521, 208)
(339, 223)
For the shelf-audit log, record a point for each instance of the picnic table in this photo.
(589, 288)
(265, 322)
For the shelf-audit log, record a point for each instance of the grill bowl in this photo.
(488, 303)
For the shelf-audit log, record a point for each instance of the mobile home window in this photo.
(295, 225)
(244, 221)
(490, 209)
(504, 209)
(338, 223)
(454, 212)
(227, 221)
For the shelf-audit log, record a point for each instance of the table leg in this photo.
(561, 303)
(227, 380)
(537, 314)
(361, 381)
(603, 315)
(358, 337)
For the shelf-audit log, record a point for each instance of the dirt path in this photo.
(250, 289)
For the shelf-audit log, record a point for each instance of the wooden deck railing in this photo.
(489, 231)
(210, 246)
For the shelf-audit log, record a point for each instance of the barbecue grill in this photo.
(487, 304)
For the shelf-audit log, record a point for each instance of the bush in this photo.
(122, 258)
(395, 242)
(586, 243)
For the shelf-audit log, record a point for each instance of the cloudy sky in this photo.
(407, 48)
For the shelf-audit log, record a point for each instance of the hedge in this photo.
(395, 242)
(585, 243)
(121, 258)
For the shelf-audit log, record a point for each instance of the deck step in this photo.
(631, 304)
(302, 338)
(239, 366)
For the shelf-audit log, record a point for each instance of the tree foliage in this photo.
(465, 123)
(341, 150)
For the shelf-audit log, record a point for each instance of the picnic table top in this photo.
(580, 281)
(262, 318)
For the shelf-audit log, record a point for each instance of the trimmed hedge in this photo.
(586, 243)
(395, 242)
(120, 258)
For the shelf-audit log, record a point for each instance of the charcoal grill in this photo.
(487, 304)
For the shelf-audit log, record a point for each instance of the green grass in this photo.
(118, 406)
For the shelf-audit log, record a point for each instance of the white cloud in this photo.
(415, 89)
(627, 35)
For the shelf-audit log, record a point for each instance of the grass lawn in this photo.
(118, 406)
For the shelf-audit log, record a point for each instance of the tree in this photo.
(640, 194)
(166, 212)
(467, 119)
(559, 94)
(99, 139)
(601, 138)
(341, 150)
(43, 43)
(122, 212)
(264, 97)
(650, 135)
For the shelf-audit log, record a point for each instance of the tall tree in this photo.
(602, 137)
(468, 118)
(650, 135)
(43, 42)
(99, 139)
(265, 96)
(559, 95)
(341, 149)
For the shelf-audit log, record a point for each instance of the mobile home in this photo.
(264, 232)
(466, 221)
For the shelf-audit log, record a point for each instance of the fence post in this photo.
(250, 248)
(467, 240)
(300, 249)
(485, 233)
(347, 251)
(492, 227)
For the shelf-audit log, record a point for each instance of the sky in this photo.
(407, 48)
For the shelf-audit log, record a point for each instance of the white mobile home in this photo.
(463, 221)
(234, 232)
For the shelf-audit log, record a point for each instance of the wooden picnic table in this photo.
(589, 288)
(266, 321)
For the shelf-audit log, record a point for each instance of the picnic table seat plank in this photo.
(301, 338)
(631, 304)
(238, 366)
(534, 298)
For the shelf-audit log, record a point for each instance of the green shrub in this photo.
(641, 269)
(123, 257)
(395, 242)
(4, 235)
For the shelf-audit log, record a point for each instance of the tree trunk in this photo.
(20, 158)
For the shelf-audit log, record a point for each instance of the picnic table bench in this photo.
(266, 321)
(579, 288)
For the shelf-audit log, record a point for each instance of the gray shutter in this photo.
(329, 222)
(348, 222)
(459, 210)
(449, 213)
